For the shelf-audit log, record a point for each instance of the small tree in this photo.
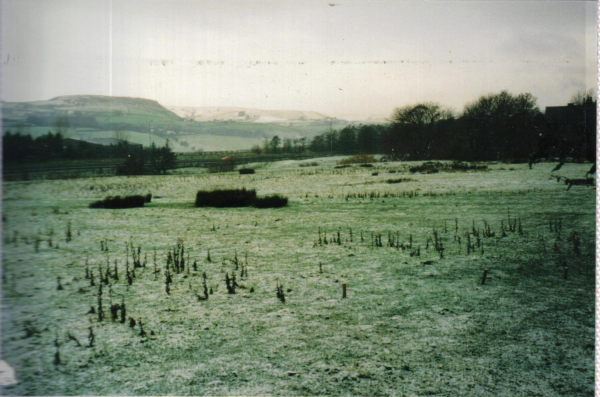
(166, 159)
(300, 144)
(134, 162)
(347, 139)
(288, 145)
(256, 149)
(274, 145)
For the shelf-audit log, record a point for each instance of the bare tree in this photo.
(581, 97)
(190, 114)
(121, 136)
(423, 114)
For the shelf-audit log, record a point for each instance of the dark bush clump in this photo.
(238, 198)
(120, 202)
(427, 168)
(225, 198)
(431, 167)
(460, 166)
(273, 201)
(244, 171)
(148, 198)
(311, 164)
(366, 165)
(400, 180)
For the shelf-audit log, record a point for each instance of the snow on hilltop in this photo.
(102, 103)
(89, 104)
(245, 114)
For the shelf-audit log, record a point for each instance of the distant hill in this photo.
(284, 117)
(366, 118)
(144, 121)
(87, 111)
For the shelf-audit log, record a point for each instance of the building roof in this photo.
(563, 114)
(571, 114)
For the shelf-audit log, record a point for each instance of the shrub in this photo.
(273, 201)
(426, 168)
(460, 166)
(148, 198)
(357, 159)
(244, 171)
(366, 165)
(280, 293)
(400, 180)
(311, 164)
(434, 167)
(238, 198)
(225, 198)
(120, 202)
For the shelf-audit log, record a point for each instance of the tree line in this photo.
(53, 146)
(277, 145)
(17, 147)
(495, 127)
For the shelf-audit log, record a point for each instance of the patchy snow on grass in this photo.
(416, 321)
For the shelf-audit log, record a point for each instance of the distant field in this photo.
(132, 136)
(138, 118)
(240, 130)
(215, 143)
(195, 142)
(203, 142)
(417, 320)
(260, 130)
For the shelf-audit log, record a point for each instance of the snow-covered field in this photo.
(414, 323)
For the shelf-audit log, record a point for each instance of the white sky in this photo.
(356, 57)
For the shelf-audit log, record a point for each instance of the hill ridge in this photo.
(237, 113)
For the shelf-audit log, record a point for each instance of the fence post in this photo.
(485, 272)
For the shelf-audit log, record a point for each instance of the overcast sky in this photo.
(336, 57)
